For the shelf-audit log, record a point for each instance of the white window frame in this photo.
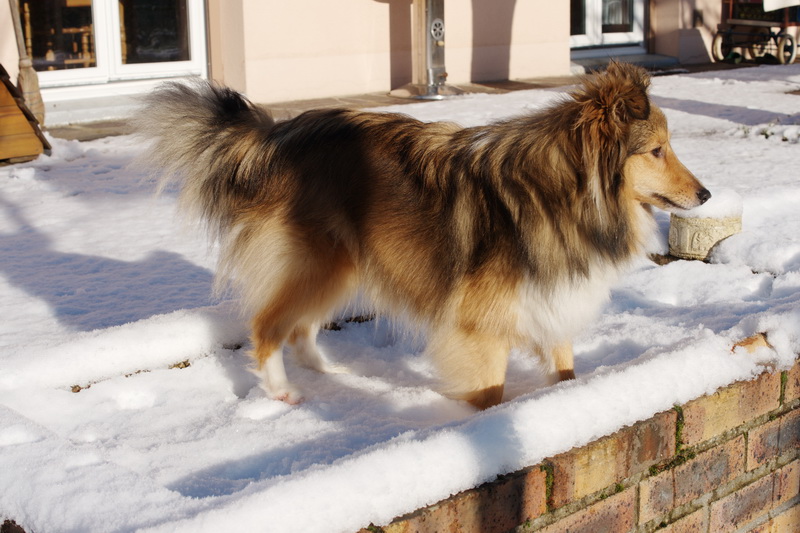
(594, 35)
(108, 52)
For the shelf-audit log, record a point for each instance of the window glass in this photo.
(577, 17)
(59, 34)
(153, 31)
(617, 16)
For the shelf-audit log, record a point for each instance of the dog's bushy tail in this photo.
(209, 138)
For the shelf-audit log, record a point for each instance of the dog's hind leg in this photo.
(472, 365)
(308, 354)
(317, 283)
(269, 332)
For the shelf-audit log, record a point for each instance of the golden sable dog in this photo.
(489, 238)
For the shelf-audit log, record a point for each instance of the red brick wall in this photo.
(725, 462)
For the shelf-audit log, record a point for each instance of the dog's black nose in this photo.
(703, 195)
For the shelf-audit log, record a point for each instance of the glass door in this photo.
(75, 42)
(606, 22)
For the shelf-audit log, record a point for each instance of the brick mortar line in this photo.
(735, 485)
(742, 480)
(565, 511)
(553, 516)
(784, 381)
(633, 482)
(700, 503)
(683, 455)
(745, 428)
(771, 515)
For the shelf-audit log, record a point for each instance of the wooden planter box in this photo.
(20, 136)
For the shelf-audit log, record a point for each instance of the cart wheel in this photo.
(721, 46)
(759, 42)
(787, 49)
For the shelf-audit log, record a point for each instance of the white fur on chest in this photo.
(550, 315)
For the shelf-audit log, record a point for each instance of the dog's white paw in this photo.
(289, 394)
(274, 382)
(283, 392)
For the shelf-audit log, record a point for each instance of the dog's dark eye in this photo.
(657, 152)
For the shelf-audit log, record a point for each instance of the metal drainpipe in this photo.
(429, 76)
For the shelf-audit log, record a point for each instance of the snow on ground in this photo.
(100, 288)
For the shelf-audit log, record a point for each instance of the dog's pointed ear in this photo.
(606, 105)
(610, 100)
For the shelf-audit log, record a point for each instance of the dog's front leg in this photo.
(471, 364)
(563, 361)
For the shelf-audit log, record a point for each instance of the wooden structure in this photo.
(20, 136)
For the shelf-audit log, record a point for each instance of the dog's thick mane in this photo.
(528, 172)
